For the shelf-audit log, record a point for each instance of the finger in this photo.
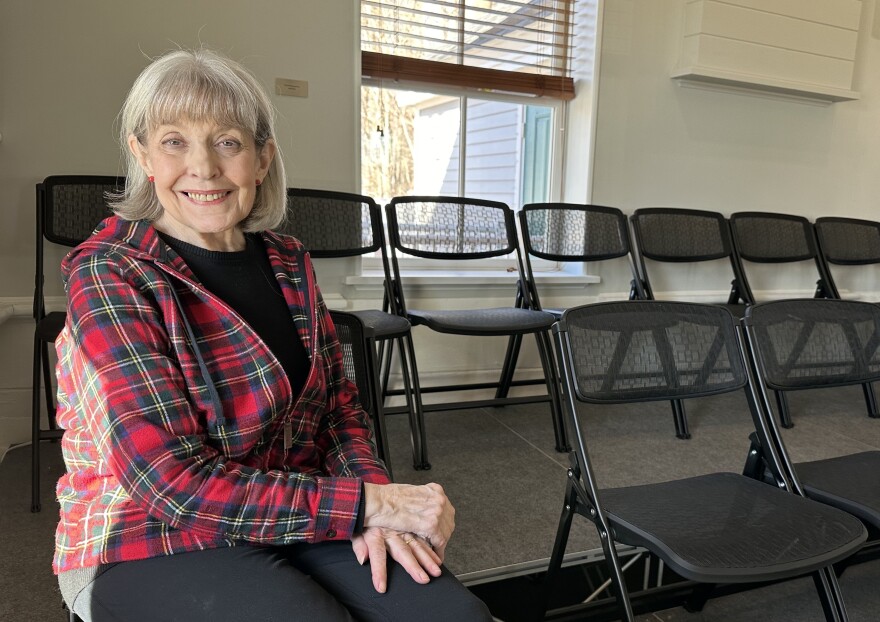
(378, 559)
(426, 557)
(360, 548)
(406, 557)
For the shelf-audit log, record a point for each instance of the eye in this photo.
(172, 142)
(229, 144)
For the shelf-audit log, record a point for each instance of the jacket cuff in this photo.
(339, 500)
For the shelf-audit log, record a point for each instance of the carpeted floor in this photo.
(501, 472)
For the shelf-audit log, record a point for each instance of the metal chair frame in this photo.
(358, 343)
(590, 249)
(585, 497)
(68, 228)
(418, 243)
(800, 233)
(860, 248)
(832, 480)
(717, 246)
(308, 230)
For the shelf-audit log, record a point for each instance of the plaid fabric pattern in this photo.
(152, 468)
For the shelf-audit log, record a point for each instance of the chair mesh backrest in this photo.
(451, 227)
(567, 232)
(652, 350)
(772, 238)
(355, 358)
(671, 234)
(73, 205)
(849, 241)
(817, 342)
(332, 224)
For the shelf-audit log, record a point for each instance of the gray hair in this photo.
(200, 86)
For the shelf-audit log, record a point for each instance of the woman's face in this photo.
(205, 177)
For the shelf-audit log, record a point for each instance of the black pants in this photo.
(243, 583)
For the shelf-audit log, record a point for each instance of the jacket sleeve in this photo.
(344, 436)
(123, 383)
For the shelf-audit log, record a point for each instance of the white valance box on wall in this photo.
(798, 48)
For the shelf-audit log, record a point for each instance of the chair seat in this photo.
(846, 482)
(50, 326)
(384, 325)
(497, 321)
(728, 528)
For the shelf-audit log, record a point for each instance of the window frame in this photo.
(555, 168)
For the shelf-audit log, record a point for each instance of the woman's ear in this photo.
(267, 154)
(140, 153)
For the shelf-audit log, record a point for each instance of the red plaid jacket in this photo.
(162, 458)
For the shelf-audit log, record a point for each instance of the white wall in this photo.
(65, 68)
(659, 144)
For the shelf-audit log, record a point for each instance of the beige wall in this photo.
(65, 68)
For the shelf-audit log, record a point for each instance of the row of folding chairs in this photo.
(334, 224)
(778, 519)
(650, 236)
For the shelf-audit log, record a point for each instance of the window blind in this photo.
(516, 46)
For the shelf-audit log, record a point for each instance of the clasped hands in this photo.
(412, 524)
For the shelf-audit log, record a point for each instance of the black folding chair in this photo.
(762, 237)
(358, 343)
(818, 344)
(716, 528)
(340, 224)
(847, 242)
(771, 238)
(686, 236)
(454, 228)
(574, 233)
(69, 207)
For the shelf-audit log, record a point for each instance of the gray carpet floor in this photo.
(500, 470)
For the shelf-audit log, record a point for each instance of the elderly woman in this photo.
(219, 466)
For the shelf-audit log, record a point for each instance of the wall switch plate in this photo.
(292, 88)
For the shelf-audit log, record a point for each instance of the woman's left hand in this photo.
(413, 553)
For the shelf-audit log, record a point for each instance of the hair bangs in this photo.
(201, 96)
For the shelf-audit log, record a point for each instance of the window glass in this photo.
(412, 145)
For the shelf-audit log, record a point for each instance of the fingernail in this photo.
(360, 558)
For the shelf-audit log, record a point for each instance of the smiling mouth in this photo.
(207, 197)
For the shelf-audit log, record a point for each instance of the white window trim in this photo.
(463, 283)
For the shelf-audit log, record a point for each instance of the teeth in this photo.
(206, 197)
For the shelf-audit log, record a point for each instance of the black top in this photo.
(244, 280)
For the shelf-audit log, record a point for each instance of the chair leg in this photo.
(784, 412)
(47, 386)
(680, 418)
(830, 595)
(35, 426)
(562, 533)
(413, 393)
(385, 353)
(553, 387)
(870, 400)
(509, 366)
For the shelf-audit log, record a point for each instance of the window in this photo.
(467, 97)
(430, 144)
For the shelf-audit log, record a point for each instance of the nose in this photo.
(202, 162)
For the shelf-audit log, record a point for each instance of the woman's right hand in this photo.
(422, 510)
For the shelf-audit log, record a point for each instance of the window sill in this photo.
(468, 284)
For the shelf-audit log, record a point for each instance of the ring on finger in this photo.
(408, 540)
